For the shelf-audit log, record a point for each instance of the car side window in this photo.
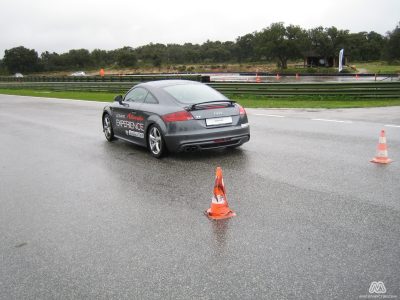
(151, 99)
(137, 95)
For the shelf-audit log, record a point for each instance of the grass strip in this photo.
(75, 95)
(250, 101)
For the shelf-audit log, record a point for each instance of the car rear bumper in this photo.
(208, 139)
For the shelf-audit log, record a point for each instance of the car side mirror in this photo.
(118, 99)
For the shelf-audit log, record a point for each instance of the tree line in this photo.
(277, 42)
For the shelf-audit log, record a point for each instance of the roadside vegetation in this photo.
(277, 45)
(377, 67)
(250, 101)
(275, 49)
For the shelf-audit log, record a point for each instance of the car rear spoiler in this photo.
(193, 106)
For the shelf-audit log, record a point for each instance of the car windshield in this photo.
(193, 93)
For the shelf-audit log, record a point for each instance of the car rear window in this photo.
(193, 93)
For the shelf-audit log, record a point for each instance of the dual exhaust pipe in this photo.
(190, 148)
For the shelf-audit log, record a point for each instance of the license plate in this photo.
(219, 121)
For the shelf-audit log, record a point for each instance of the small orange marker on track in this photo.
(219, 205)
(382, 153)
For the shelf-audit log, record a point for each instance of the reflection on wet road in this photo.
(83, 218)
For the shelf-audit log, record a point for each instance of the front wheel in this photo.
(156, 142)
(107, 128)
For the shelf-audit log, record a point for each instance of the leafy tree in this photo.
(101, 58)
(192, 53)
(78, 58)
(230, 49)
(49, 61)
(364, 46)
(277, 42)
(280, 43)
(157, 60)
(356, 42)
(155, 54)
(320, 41)
(3, 70)
(21, 59)
(245, 48)
(392, 51)
(376, 42)
(326, 42)
(125, 57)
(175, 54)
(214, 52)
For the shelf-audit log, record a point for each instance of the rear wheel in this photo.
(107, 128)
(156, 142)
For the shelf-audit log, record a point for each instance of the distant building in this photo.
(314, 59)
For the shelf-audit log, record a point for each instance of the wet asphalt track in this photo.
(81, 218)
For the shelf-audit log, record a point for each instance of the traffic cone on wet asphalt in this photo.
(219, 205)
(381, 152)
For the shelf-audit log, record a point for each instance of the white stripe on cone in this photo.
(219, 200)
(382, 153)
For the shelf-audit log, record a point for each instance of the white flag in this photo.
(341, 60)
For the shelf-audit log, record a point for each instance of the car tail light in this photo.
(177, 116)
(242, 112)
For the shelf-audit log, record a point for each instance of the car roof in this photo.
(156, 88)
(167, 82)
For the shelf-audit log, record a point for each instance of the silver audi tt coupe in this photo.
(176, 115)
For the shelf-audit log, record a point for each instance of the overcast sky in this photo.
(61, 25)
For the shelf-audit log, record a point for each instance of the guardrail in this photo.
(114, 87)
(355, 90)
(108, 78)
(362, 89)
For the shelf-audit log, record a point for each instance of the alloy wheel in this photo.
(155, 141)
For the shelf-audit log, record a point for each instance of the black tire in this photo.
(155, 142)
(107, 128)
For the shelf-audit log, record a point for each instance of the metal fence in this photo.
(356, 90)
(110, 78)
(362, 90)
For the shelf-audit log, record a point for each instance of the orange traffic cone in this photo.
(278, 76)
(258, 79)
(102, 72)
(219, 205)
(382, 153)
